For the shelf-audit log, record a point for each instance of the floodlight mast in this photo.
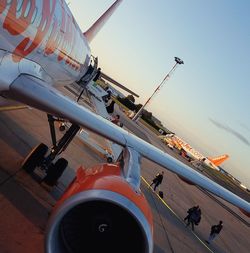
(178, 61)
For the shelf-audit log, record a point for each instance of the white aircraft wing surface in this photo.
(96, 93)
(37, 93)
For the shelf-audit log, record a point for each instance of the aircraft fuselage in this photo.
(44, 33)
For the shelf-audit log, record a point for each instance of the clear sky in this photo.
(207, 100)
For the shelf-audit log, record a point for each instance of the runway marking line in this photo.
(171, 210)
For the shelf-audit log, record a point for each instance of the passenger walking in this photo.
(116, 119)
(110, 107)
(193, 217)
(189, 211)
(157, 180)
(215, 230)
(97, 75)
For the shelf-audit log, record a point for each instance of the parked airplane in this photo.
(191, 154)
(42, 46)
(215, 162)
(211, 162)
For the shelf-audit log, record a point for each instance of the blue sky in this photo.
(207, 100)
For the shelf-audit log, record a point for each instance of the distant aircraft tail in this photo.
(96, 27)
(218, 160)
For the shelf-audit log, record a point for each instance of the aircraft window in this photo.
(19, 5)
(51, 4)
(67, 21)
(38, 18)
(44, 25)
(62, 29)
(60, 22)
(26, 13)
(34, 16)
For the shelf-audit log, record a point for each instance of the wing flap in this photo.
(38, 94)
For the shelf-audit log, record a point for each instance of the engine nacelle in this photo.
(100, 212)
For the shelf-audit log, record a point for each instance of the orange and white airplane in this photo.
(42, 46)
(193, 155)
(210, 162)
(215, 162)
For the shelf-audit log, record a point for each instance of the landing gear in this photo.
(38, 158)
(35, 158)
(55, 171)
(109, 159)
(62, 126)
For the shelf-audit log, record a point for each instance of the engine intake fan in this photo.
(97, 221)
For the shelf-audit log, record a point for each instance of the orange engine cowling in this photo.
(100, 212)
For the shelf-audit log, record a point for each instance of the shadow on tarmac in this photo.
(25, 203)
(23, 141)
(158, 249)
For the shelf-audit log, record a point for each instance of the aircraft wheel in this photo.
(34, 158)
(109, 159)
(55, 171)
(62, 127)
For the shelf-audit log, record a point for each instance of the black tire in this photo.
(55, 171)
(34, 158)
(62, 127)
(109, 159)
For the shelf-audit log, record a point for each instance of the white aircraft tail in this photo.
(97, 26)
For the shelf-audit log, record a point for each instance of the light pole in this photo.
(178, 61)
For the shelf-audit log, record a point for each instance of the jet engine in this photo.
(100, 212)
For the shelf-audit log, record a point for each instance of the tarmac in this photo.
(25, 204)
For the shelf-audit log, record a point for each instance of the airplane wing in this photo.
(37, 93)
(96, 94)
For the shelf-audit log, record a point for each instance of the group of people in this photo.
(110, 103)
(194, 217)
(193, 214)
